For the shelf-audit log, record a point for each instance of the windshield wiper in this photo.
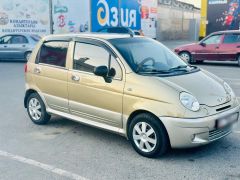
(179, 68)
(154, 71)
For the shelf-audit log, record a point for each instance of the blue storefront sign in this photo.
(112, 13)
(130, 13)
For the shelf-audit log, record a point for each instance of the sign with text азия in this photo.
(17, 16)
(113, 13)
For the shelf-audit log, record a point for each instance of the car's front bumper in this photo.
(184, 133)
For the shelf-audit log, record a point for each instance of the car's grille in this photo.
(218, 133)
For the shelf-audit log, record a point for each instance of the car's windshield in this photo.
(149, 56)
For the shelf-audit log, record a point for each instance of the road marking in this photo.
(46, 167)
(231, 79)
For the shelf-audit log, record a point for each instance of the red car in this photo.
(218, 46)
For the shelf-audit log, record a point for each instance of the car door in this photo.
(230, 47)
(90, 96)
(50, 74)
(208, 48)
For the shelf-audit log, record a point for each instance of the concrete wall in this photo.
(174, 23)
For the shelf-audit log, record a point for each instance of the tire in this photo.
(37, 110)
(151, 142)
(238, 59)
(186, 56)
(27, 56)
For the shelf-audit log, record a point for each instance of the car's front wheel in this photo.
(186, 56)
(238, 59)
(37, 110)
(148, 136)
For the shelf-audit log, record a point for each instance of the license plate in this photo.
(228, 120)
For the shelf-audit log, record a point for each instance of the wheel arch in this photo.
(141, 111)
(27, 94)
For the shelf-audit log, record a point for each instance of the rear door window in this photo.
(18, 40)
(231, 38)
(54, 53)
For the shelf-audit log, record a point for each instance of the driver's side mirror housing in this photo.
(101, 71)
(104, 72)
(202, 44)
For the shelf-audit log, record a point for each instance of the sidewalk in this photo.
(175, 43)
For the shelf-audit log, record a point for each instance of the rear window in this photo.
(54, 53)
(231, 38)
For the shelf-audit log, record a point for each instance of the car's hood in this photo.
(186, 46)
(207, 88)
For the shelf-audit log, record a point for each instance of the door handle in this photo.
(217, 47)
(37, 70)
(238, 46)
(5, 46)
(75, 78)
(23, 45)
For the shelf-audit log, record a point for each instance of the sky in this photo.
(196, 3)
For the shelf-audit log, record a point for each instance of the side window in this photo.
(215, 39)
(88, 56)
(231, 38)
(54, 53)
(19, 40)
(116, 66)
(5, 40)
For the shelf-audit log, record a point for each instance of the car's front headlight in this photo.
(189, 101)
(228, 89)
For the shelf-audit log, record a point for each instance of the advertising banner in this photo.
(149, 17)
(130, 14)
(113, 13)
(70, 16)
(223, 15)
(17, 16)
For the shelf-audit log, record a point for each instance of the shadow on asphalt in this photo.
(193, 154)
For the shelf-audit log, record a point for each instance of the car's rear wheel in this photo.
(148, 136)
(37, 110)
(27, 55)
(186, 56)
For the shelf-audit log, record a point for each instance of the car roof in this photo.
(104, 36)
(18, 34)
(226, 32)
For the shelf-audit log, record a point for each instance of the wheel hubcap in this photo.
(144, 137)
(35, 109)
(185, 56)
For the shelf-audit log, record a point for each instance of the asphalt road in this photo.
(68, 150)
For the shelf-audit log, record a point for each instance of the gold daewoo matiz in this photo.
(130, 85)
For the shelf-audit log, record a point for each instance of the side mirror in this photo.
(202, 44)
(112, 72)
(101, 71)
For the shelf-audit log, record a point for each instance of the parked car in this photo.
(17, 46)
(133, 86)
(218, 46)
(120, 30)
